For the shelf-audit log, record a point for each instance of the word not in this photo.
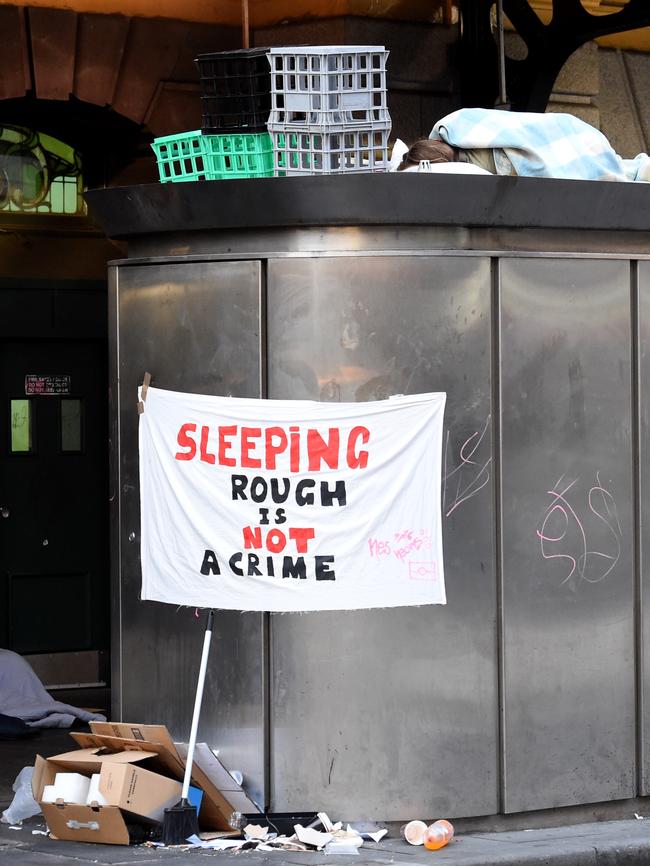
(252, 565)
(470, 475)
(296, 448)
(276, 540)
(566, 535)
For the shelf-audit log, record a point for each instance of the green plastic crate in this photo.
(238, 155)
(181, 157)
(192, 156)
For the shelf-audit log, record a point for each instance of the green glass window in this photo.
(71, 425)
(21, 426)
(38, 174)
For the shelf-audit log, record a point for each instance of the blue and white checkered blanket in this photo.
(540, 145)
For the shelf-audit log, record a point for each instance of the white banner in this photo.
(291, 505)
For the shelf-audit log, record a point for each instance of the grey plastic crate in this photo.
(352, 151)
(336, 85)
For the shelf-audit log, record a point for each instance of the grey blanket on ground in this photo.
(23, 696)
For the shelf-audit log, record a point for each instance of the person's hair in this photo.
(431, 149)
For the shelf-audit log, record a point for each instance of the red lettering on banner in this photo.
(360, 460)
(276, 541)
(294, 452)
(304, 449)
(185, 441)
(206, 456)
(252, 537)
(301, 536)
(225, 445)
(272, 450)
(248, 433)
(320, 451)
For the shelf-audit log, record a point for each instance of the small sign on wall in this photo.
(46, 385)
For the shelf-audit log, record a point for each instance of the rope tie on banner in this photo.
(143, 393)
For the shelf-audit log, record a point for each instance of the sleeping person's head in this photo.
(430, 150)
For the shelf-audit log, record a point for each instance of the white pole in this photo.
(197, 707)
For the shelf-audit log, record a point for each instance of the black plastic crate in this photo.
(229, 114)
(235, 90)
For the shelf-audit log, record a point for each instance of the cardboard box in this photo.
(127, 756)
(132, 792)
(221, 794)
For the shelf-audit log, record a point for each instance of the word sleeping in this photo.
(292, 449)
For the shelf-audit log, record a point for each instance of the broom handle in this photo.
(197, 706)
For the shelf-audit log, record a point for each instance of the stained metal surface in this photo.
(355, 201)
(383, 240)
(643, 580)
(194, 328)
(567, 533)
(521, 693)
(392, 712)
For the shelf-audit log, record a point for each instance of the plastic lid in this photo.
(236, 52)
(324, 49)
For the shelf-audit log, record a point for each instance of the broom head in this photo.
(179, 823)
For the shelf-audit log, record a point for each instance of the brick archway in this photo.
(106, 84)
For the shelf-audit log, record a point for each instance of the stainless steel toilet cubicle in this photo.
(528, 302)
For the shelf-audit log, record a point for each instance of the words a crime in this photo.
(252, 565)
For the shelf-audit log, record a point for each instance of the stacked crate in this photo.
(180, 157)
(235, 91)
(194, 156)
(233, 141)
(291, 111)
(329, 110)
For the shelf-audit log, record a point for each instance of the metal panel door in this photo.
(567, 532)
(195, 327)
(391, 714)
(644, 513)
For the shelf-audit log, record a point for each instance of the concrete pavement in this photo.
(609, 843)
(623, 842)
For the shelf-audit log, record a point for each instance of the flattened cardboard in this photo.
(212, 766)
(89, 741)
(88, 760)
(215, 809)
(209, 763)
(162, 761)
(142, 733)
